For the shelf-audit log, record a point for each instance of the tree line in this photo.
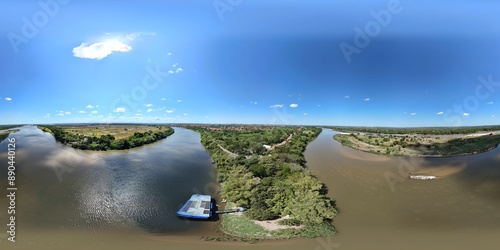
(108, 141)
(275, 184)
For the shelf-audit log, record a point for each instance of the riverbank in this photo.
(421, 145)
(274, 185)
(5, 134)
(108, 137)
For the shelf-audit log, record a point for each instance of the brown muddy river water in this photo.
(72, 199)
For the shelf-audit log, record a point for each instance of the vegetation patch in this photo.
(270, 183)
(420, 145)
(108, 137)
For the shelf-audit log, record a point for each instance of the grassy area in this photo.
(418, 130)
(406, 145)
(108, 137)
(119, 131)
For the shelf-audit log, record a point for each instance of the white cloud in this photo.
(490, 103)
(170, 71)
(170, 111)
(163, 99)
(294, 105)
(149, 105)
(67, 113)
(440, 113)
(347, 97)
(90, 106)
(466, 114)
(119, 110)
(276, 106)
(97, 106)
(185, 114)
(169, 53)
(149, 110)
(413, 114)
(367, 99)
(8, 99)
(94, 112)
(179, 100)
(60, 114)
(82, 111)
(175, 65)
(100, 50)
(178, 70)
(253, 102)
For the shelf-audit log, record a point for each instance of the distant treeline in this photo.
(424, 130)
(106, 142)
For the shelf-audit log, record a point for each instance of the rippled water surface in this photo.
(73, 199)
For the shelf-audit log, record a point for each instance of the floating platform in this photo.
(199, 206)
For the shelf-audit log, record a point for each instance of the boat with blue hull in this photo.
(199, 206)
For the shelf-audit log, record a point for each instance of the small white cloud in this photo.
(440, 113)
(119, 110)
(276, 106)
(169, 53)
(413, 114)
(163, 99)
(97, 106)
(492, 115)
(253, 102)
(175, 65)
(185, 114)
(305, 114)
(367, 99)
(90, 106)
(178, 70)
(466, 114)
(67, 113)
(82, 111)
(149, 110)
(170, 111)
(171, 72)
(179, 100)
(60, 114)
(100, 50)
(8, 99)
(94, 112)
(490, 103)
(149, 105)
(347, 97)
(294, 105)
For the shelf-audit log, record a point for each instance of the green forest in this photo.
(271, 183)
(107, 141)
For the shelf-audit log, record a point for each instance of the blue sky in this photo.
(363, 63)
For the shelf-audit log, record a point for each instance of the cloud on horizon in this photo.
(100, 50)
(8, 99)
(119, 110)
(276, 106)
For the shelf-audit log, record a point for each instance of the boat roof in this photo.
(198, 206)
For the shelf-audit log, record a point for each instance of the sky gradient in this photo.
(363, 63)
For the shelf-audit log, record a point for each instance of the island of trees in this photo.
(272, 182)
(108, 137)
(422, 142)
